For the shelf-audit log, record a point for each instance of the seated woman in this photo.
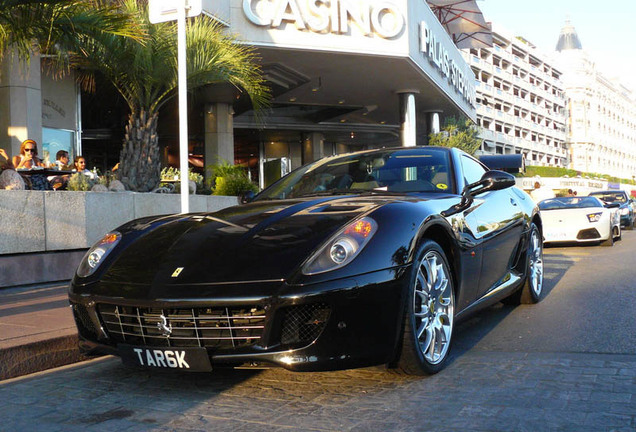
(27, 160)
(28, 157)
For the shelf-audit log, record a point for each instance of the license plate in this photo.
(187, 359)
(555, 235)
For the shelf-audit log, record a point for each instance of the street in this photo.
(566, 364)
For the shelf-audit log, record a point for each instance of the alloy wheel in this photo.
(535, 263)
(433, 307)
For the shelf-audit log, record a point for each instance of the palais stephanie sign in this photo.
(431, 46)
(380, 18)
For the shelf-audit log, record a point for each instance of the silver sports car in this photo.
(579, 219)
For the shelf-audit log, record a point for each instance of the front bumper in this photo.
(626, 220)
(338, 324)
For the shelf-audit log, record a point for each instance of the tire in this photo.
(429, 313)
(610, 241)
(532, 288)
(630, 225)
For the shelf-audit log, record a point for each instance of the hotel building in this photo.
(602, 113)
(520, 101)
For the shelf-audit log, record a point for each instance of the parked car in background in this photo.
(583, 219)
(353, 260)
(626, 209)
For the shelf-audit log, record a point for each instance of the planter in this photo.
(43, 221)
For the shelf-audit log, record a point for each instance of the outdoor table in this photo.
(31, 175)
(44, 171)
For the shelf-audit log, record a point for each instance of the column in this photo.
(313, 147)
(219, 133)
(20, 103)
(408, 117)
(433, 121)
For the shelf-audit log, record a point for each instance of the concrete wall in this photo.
(44, 234)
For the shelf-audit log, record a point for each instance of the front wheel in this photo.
(429, 314)
(610, 240)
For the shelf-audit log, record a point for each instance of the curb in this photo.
(38, 356)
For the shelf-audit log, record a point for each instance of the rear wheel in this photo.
(429, 314)
(532, 288)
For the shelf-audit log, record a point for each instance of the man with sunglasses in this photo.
(28, 157)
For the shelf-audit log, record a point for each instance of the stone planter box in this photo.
(36, 221)
(44, 234)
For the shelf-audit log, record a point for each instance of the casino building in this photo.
(345, 75)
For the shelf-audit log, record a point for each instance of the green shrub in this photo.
(543, 171)
(234, 184)
(79, 182)
(171, 173)
(232, 180)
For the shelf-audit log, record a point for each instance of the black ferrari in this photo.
(354, 260)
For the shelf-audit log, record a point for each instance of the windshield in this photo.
(569, 203)
(609, 197)
(396, 170)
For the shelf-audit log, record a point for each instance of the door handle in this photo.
(513, 202)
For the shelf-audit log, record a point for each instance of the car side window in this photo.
(473, 170)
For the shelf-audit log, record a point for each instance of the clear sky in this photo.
(606, 29)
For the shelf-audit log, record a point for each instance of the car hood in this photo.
(260, 241)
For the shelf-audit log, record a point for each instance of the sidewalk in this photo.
(37, 330)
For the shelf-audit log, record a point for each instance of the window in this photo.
(473, 170)
(54, 140)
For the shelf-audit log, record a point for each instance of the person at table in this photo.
(9, 179)
(5, 160)
(61, 160)
(80, 166)
(60, 182)
(28, 157)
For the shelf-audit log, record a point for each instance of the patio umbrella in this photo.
(464, 22)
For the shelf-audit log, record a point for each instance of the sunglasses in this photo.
(30, 150)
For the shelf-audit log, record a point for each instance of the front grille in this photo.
(588, 234)
(215, 327)
(304, 323)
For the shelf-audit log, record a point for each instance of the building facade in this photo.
(345, 75)
(520, 101)
(602, 113)
(35, 105)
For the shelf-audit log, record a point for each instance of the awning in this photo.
(464, 22)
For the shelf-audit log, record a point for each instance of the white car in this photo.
(579, 219)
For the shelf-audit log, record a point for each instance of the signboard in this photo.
(166, 10)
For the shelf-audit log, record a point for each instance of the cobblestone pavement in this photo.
(478, 391)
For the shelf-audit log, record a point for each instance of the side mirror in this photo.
(246, 197)
(491, 181)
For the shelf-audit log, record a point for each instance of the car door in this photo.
(496, 221)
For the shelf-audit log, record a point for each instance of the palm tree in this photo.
(146, 76)
(51, 26)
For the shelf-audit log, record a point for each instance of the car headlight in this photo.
(624, 211)
(594, 217)
(96, 255)
(342, 248)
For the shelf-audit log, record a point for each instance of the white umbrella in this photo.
(464, 22)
